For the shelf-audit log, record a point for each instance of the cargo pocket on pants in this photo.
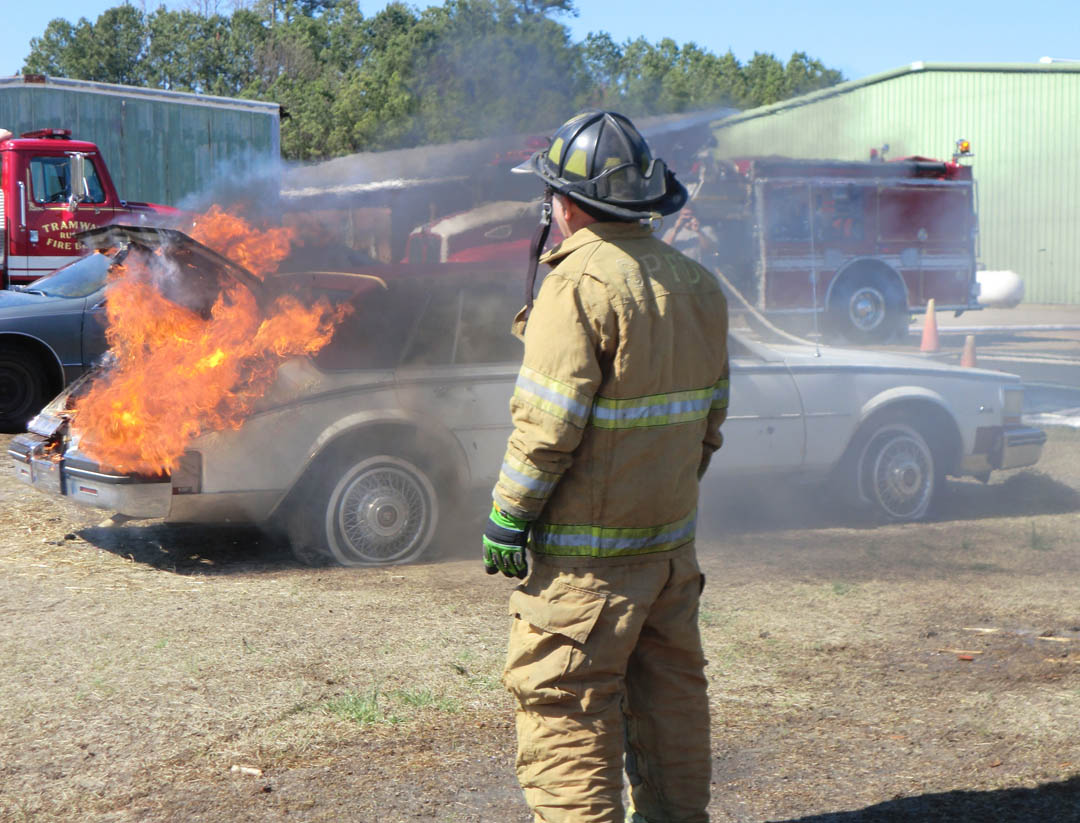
(548, 628)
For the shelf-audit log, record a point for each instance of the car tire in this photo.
(897, 473)
(365, 511)
(867, 307)
(22, 388)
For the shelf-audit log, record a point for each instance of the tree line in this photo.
(405, 76)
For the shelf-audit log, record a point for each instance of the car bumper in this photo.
(1004, 447)
(83, 481)
(1020, 446)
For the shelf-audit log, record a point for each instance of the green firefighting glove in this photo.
(505, 539)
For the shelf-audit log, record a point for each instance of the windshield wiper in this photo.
(34, 291)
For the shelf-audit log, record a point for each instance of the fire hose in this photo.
(733, 290)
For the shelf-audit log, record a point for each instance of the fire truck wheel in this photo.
(369, 511)
(22, 388)
(867, 307)
(897, 472)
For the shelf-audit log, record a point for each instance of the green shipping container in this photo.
(1023, 121)
(160, 146)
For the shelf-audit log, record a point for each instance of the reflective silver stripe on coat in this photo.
(551, 396)
(531, 481)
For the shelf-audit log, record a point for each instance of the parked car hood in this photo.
(19, 303)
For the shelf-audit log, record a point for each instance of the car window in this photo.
(431, 338)
(95, 192)
(49, 178)
(485, 314)
(79, 279)
(736, 348)
(426, 321)
(838, 214)
(377, 332)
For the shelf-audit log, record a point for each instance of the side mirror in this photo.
(76, 179)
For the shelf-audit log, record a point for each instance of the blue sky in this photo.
(859, 37)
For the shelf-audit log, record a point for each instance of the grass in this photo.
(711, 618)
(425, 699)
(395, 706)
(1039, 542)
(363, 709)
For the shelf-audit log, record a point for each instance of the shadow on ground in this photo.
(194, 550)
(747, 508)
(772, 506)
(1049, 803)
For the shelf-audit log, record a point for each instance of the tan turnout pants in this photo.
(605, 661)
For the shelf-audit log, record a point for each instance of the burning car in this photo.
(359, 447)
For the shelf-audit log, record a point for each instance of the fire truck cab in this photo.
(51, 188)
(860, 245)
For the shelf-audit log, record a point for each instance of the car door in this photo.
(461, 366)
(764, 430)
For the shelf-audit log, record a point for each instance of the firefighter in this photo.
(616, 412)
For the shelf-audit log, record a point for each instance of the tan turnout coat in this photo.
(620, 397)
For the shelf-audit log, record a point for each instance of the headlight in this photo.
(1012, 404)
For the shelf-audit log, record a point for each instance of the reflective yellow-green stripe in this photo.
(659, 409)
(604, 541)
(721, 392)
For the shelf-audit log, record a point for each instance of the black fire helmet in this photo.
(600, 159)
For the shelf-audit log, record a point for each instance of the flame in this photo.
(179, 373)
(260, 252)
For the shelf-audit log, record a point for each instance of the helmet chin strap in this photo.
(539, 238)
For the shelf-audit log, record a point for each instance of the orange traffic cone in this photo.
(930, 342)
(967, 359)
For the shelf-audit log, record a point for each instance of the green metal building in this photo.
(160, 146)
(1023, 121)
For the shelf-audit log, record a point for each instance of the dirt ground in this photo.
(926, 672)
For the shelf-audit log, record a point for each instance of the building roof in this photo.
(914, 68)
(38, 81)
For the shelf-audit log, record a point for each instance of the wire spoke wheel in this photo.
(383, 510)
(898, 473)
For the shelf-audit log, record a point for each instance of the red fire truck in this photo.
(855, 246)
(40, 209)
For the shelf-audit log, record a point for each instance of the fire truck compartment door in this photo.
(764, 427)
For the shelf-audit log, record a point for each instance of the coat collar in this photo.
(595, 233)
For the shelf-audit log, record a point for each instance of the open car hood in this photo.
(198, 272)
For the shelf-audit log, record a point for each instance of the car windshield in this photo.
(79, 279)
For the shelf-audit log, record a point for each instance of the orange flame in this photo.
(260, 252)
(178, 373)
